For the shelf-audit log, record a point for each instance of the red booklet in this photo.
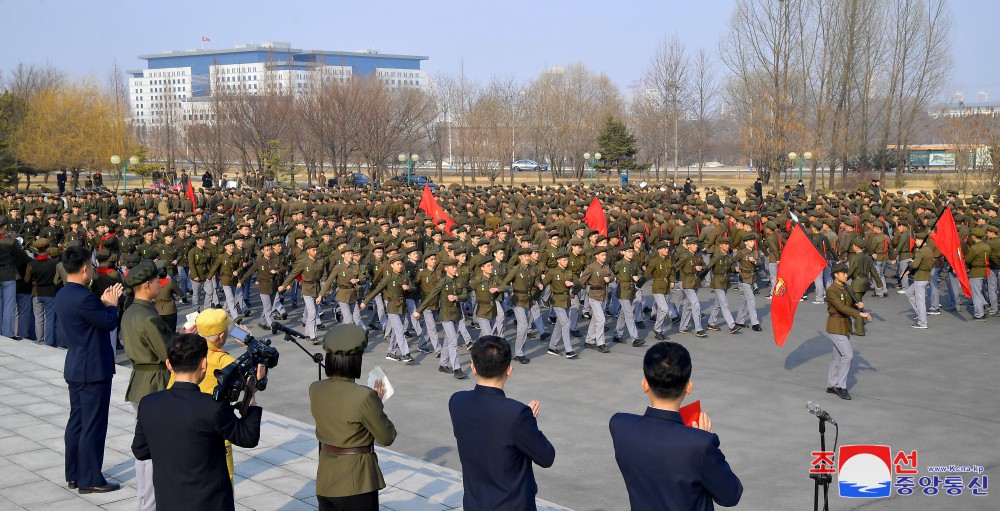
(690, 412)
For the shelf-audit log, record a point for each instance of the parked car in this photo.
(416, 181)
(356, 180)
(532, 165)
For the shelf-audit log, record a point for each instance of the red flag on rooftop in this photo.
(595, 217)
(432, 209)
(799, 264)
(946, 238)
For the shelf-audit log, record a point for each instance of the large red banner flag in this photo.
(595, 217)
(190, 195)
(946, 238)
(799, 265)
(432, 209)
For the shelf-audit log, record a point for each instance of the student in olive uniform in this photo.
(721, 266)
(200, 263)
(747, 259)
(660, 271)
(40, 274)
(920, 265)
(165, 305)
(577, 262)
(487, 289)
(312, 271)
(427, 279)
(349, 420)
(841, 308)
(146, 338)
(689, 263)
(393, 287)
(978, 259)
(561, 281)
(226, 267)
(265, 268)
(628, 273)
(446, 296)
(596, 277)
(349, 278)
(522, 280)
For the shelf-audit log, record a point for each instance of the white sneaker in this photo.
(918, 326)
(901, 291)
(819, 301)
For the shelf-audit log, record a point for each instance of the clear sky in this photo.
(513, 38)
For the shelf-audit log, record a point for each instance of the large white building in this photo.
(176, 85)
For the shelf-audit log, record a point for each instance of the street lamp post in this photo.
(592, 158)
(134, 161)
(115, 162)
(410, 161)
(792, 156)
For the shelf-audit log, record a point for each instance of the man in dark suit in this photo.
(498, 438)
(184, 431)
(667, 464)
(85, 325)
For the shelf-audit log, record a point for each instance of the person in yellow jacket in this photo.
(213, 325)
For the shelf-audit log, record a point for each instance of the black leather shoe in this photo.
(446, 370)
(617, 339)
(603, 349)
(460, 374)
(843, 394)
(831, 390)
(71, 485)
(284, 316)
(641, 324)
(523, 360)
(713, 328)
(17, 337)
(544, 336)
(575, 333)
(701, 333)
(659, 336)
(99, 489)
(756, 328)
(262, 325)
(638, 342)
(316, 342)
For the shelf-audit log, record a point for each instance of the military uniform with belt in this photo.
(841, 308)
(597, 276)
(449, 312)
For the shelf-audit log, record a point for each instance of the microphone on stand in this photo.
(277, 327)
(815, 409)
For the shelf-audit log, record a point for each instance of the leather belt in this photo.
(592, 288)
(149, 367)
(329, 449)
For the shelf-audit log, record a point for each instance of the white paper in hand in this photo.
(190, 319)
(379, 374)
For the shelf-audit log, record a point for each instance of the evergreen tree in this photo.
(617, 147)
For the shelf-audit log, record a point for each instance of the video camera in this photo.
(240, 377)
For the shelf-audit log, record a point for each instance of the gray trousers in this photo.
(144, 478)
(463, 331)
(521, 315)
(820, 286)
(501, 317)
(310, 318)
(430, 326)
(449, 351)
(772, 275)
(662, 312)
(880, 269)
(691, 310)
(230, 293)
(901, 266)
(574, 309)
(917, 294)
(626, 318)
(978, 300)
(992, 281)
(486, 326)
(840, 361)
(560, 332)
(749, 306)
(267, 305)
(720, 303)
(350, 313)
(208, 286)
(397, 344)
(380, 311)
(640, 304)
(411, 307)
(595, 332)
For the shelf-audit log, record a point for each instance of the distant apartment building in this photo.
(176, 86)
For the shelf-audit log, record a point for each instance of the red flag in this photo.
(205, 39)
(799, 265)
(595, 217)
(945, 236)
(432, 209)
(190, 195)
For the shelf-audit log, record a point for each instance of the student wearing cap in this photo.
(577, 262)
(11, 256)
(978, 259)
(200, 262)
(842, 308)
(426, 280)
(628, 273)
(596, 277)
(166, 307)
(265, 268)
(487, 290)
(561, 281)
(312, 271)
(660, 271)
(923, 261)
(446, 296)
(349, 420)
(521, 279)
(392, 287)
(748, 260)
(145, 337)
(689, 263)
(349, 278)
(721, 266)
(41, 274)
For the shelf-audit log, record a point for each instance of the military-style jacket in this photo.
(342, 275)
(200, 262)
(597, 276)
(145, 337)
(312, 272)
(978, 260)
(661, 271)
(391, 288)
(624, 271)
(840, 308)
(861, 271)
(437, 298)
(686, 264)
(748, 261)
(522, 281)
(556, 279)
(486, 300)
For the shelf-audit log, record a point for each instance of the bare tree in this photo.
(668, 75)
(704, 91)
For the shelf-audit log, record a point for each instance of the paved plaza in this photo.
(926, 390)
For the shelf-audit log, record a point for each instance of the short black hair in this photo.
(667, 368)
(186, 352)
(343, 366)
(75, 258)
(490, 356)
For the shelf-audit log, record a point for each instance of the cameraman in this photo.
(183, 431)
(213, 325)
